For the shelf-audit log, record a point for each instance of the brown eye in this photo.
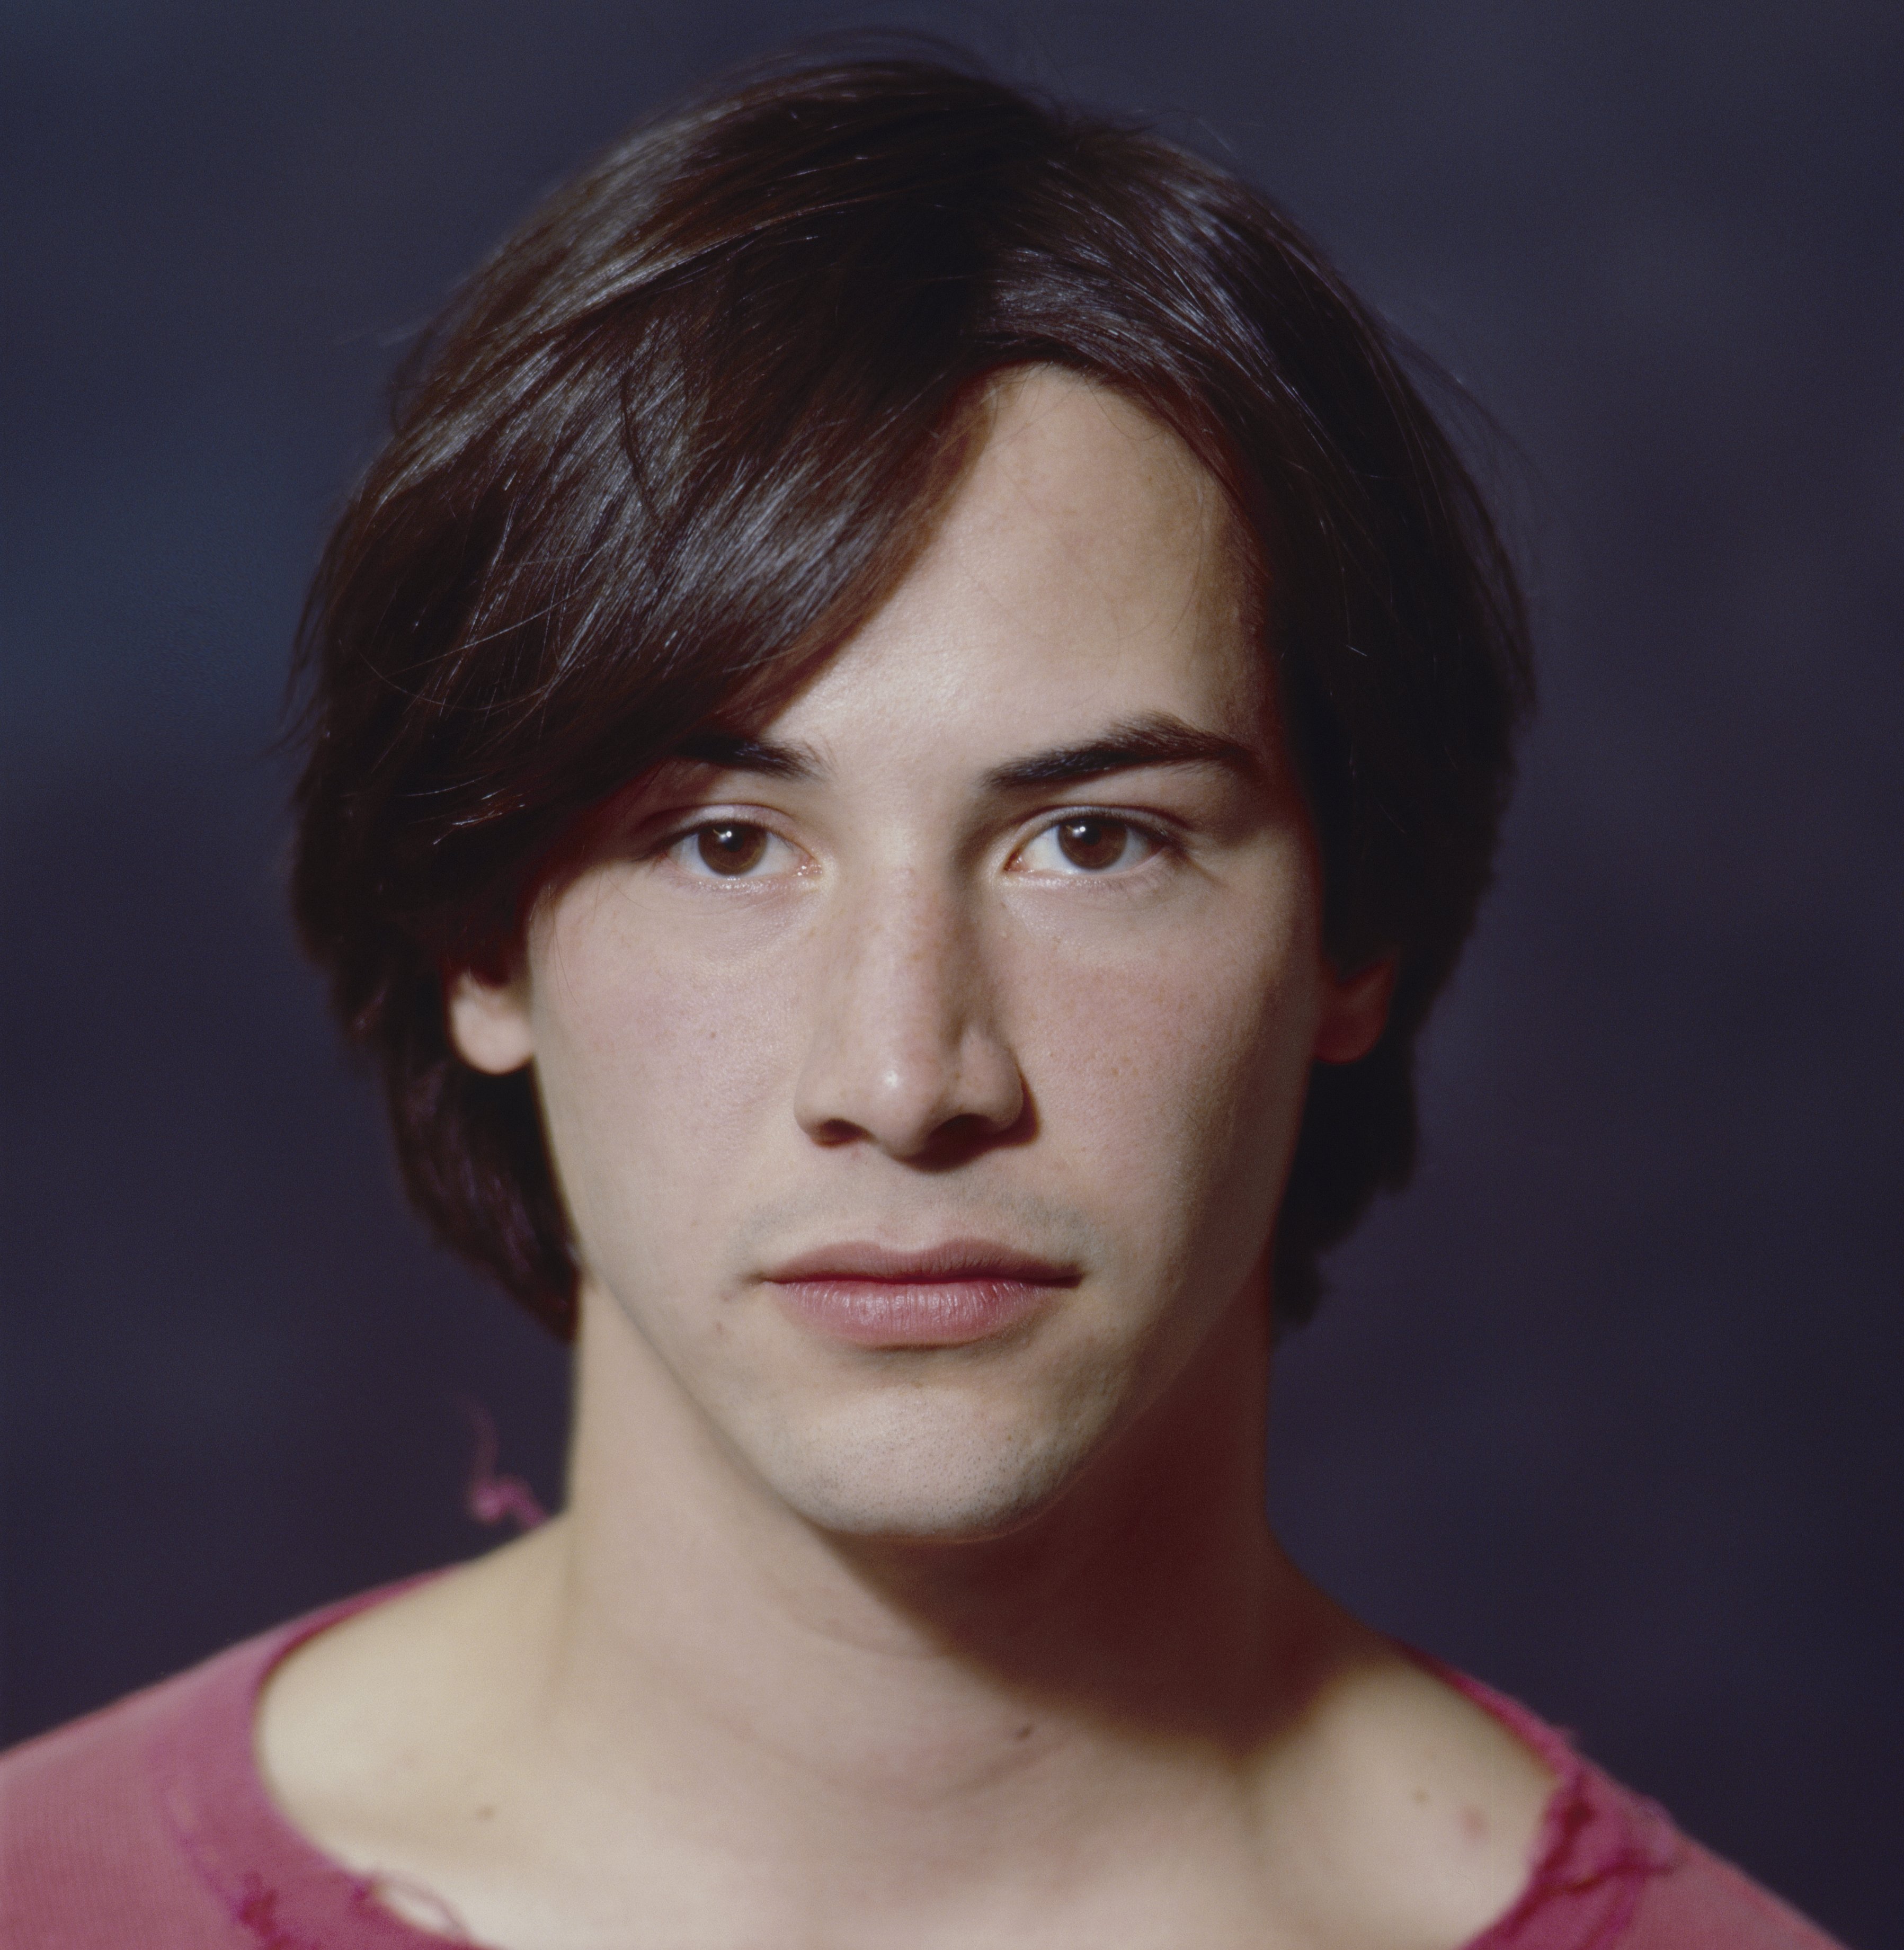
(1092, 843)
(731, 848)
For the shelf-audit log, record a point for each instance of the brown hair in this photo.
(669, 443)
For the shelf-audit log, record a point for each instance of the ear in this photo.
(489, 1021)
(1354, 1011)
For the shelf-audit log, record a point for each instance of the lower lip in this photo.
(914, 1313)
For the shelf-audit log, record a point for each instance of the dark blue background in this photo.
(1602, 1410)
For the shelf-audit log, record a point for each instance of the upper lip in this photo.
(950, 1260)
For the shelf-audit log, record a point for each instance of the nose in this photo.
(904, 1051)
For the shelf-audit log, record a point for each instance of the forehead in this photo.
(1086, 565)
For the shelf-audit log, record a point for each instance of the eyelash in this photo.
(1158, 837)
(675, 841)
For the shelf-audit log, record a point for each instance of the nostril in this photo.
(972, 1131)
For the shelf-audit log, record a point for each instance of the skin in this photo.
(840, 1646)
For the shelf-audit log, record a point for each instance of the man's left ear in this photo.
(1354, 1011)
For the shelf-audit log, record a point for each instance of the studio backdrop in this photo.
(1603, 1409)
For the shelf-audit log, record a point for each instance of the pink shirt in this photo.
(147, 1827)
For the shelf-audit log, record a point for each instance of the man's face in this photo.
(922, 1076)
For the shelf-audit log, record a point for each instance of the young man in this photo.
(899, 745)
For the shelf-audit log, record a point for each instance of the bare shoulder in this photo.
(1413, 1797)
(370, 1724)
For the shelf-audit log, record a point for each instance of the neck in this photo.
(1129, 1719)
(691, 1612)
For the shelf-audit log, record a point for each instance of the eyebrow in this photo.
(1153, 738)
(731, 752)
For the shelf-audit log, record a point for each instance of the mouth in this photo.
(946, 1296)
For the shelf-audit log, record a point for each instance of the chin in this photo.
(916, 1471)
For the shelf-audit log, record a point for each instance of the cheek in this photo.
(660, 1082)
(1179, 1072)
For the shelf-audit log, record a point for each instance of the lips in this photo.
(947, 1295)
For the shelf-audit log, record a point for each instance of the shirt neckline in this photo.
(1598, 1846)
